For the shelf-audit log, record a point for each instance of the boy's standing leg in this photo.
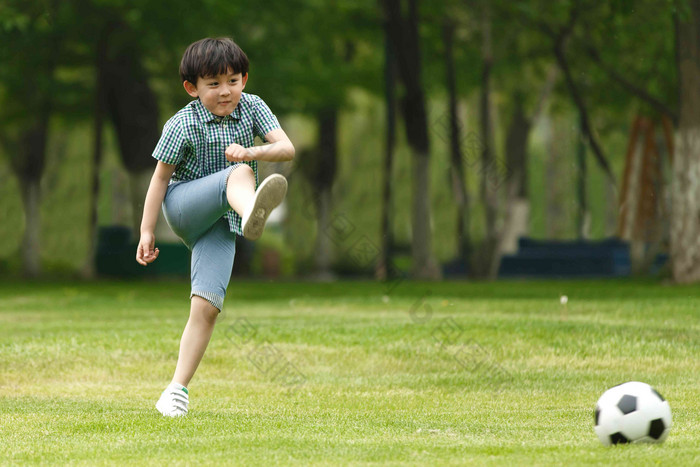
(218, 243)
(175, 399)
(195, 338)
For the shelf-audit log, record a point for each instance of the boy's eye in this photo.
(214, 83)
(233, 81)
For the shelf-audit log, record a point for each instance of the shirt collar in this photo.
(209, 117)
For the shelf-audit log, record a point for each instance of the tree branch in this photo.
(629, 86)
(545, 92)
(566, 30)
(564, 34)
(559, 37)
(585, 122)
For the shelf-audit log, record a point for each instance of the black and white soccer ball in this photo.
(631, 413)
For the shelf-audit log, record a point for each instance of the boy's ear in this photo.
(190, 88)
(244, 80)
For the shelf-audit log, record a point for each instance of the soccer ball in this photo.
(630, 413)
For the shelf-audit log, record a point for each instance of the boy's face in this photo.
(219, 94)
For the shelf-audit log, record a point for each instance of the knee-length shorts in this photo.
(194, 210)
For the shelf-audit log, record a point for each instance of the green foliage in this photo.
(640, 45)
(27, 58)
(308, 64)
(310, 54)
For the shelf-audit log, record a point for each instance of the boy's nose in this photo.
(225, 91)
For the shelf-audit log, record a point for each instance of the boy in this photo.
(205, 180)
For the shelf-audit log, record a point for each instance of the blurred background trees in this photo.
(515, 119)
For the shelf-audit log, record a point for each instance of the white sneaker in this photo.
(268, 196)
(174, 401)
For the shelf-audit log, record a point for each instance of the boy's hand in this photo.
(146, 252)
(237, 153)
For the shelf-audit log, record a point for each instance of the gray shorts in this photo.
(194, 210)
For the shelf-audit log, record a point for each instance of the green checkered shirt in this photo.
(195, 139)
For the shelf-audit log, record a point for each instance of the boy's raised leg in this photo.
(254, 206)
(240, 188)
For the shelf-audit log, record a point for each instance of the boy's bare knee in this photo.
(242, 171)
(244, 167)
(204, 310)
(240, 188)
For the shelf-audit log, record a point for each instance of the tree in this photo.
(526, 74)
(562, 26)
(517, 162)
(487, 263)
(48, 35)
(30, 33)
(513, 63)
(132, 106)
(383, 269)
(458, 176)
(661, 73)
(685, 187)
(403, 31)
(313, 77)
(89, 266)
(128, 36)
(560, 35)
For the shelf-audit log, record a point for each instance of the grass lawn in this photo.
(346, 373)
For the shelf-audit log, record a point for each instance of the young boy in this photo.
(205, 180)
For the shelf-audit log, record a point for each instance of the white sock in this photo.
(178, 386)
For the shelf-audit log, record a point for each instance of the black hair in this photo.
(211, 57)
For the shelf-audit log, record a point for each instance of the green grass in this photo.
(429, 373)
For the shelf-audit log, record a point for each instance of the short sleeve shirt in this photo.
(195, 140)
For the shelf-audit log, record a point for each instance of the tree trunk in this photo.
(31, 238)
(323, 248)
(424, 264)
(29, 165)
(583, 215)
(518, 206)
(405, 40)
(555, 176)
(487, 266)
(323, 179)
(89, 267)
(133, 109)
(516, 150)
(459, 183)
(34, 51)
(685, 185)
(383, 270)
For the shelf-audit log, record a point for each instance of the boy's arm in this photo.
(146, 251)
(280, 149)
